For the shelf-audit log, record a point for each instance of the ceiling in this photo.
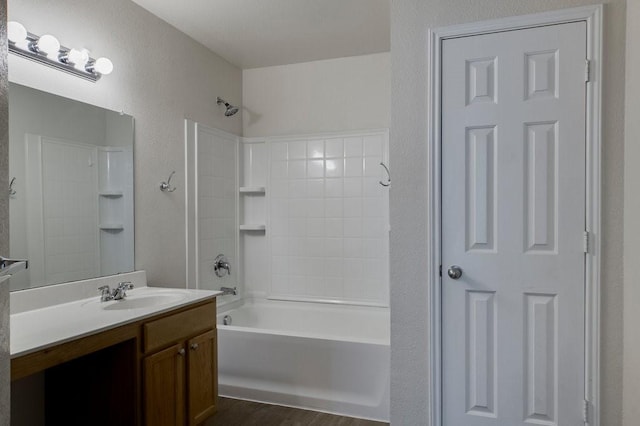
(260, 33)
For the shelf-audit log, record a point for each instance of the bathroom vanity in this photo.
(150, 359)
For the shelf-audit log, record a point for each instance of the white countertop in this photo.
(38, 329)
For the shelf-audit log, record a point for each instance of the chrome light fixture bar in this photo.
(47, 50)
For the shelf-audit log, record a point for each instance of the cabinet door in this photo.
(203, 378)
(164, 387)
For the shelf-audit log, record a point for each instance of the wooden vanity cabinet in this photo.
(164, 387)
(157, 371)
(180, 368)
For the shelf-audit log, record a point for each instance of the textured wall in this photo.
(322, 96)
(160, 77)
(631, 384)
(410, 20)
(4, 220)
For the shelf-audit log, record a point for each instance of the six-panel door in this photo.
(513, 219)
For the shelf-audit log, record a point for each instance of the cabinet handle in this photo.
(194, 346)
(181, 352)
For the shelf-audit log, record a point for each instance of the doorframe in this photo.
(592, 16)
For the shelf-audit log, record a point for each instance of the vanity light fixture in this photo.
(47, 50)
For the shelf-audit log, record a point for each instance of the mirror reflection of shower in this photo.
(231, 110)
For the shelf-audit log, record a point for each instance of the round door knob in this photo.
(454, 272)
(181, 352)
(194, 346)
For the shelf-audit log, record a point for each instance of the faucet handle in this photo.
(105, 293)
(125, 285)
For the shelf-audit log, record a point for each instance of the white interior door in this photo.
(513, 220)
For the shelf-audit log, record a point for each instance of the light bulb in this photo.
(48, 45)
(16, 32)
(103, 65)
(79, 58)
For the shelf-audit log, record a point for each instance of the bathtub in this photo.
(323, 357)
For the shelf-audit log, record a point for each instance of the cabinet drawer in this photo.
(175, 327)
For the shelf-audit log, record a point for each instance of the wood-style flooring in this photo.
(234, 412)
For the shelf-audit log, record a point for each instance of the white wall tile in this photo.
(297, 188)
(373, 145)
(352, 187)
(334, 208)
(315, 227)
(353, 147)
(334, 187)
(315, 188)
(297, 150)
(279, 151)
(315, 149)
(334, 148)
(353, 207)
(315, 207)
(297, 169)
(327, 226)
(334, 167)
(372, 167)
(315, 168)
(353, 247)
(353, 166)
(334, 228)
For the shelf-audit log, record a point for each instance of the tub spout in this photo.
(229, 291)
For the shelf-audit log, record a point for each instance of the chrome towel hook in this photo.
(388, 182)
(166, 186)
(12, 191)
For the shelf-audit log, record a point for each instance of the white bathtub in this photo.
(316, 356)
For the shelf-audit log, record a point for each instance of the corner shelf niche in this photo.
(252, 209)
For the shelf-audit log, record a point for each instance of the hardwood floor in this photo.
(234, 412)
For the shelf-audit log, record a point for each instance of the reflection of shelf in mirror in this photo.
(252, 189)
(253, 227)
(111, 194)
(111, 226)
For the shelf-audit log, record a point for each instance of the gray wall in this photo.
(631, 385)
(341, 94)
(4, 220)
(160, 77)
(410, 20)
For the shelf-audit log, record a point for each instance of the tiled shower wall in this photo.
(217, 206)
(328, 218)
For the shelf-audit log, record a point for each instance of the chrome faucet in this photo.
(117, 293)
(229, 291)
(121, 291)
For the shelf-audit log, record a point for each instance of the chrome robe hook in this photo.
(388, 182)
(12, 191)
(166, 186)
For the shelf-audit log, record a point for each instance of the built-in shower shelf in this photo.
(253, 227)
(252, 189)
(111, 226)
(111, 194)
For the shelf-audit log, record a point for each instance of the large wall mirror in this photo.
(71, 196)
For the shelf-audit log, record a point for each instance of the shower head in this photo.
(231, 110)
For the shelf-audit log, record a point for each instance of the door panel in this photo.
(513, 219)
(203, 383)
(164, 391)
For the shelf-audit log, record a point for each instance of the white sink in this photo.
(139, 301)
(146, 301)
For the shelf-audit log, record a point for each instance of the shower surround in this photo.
(310, 323)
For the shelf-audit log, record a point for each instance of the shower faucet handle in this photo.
(221, 264)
